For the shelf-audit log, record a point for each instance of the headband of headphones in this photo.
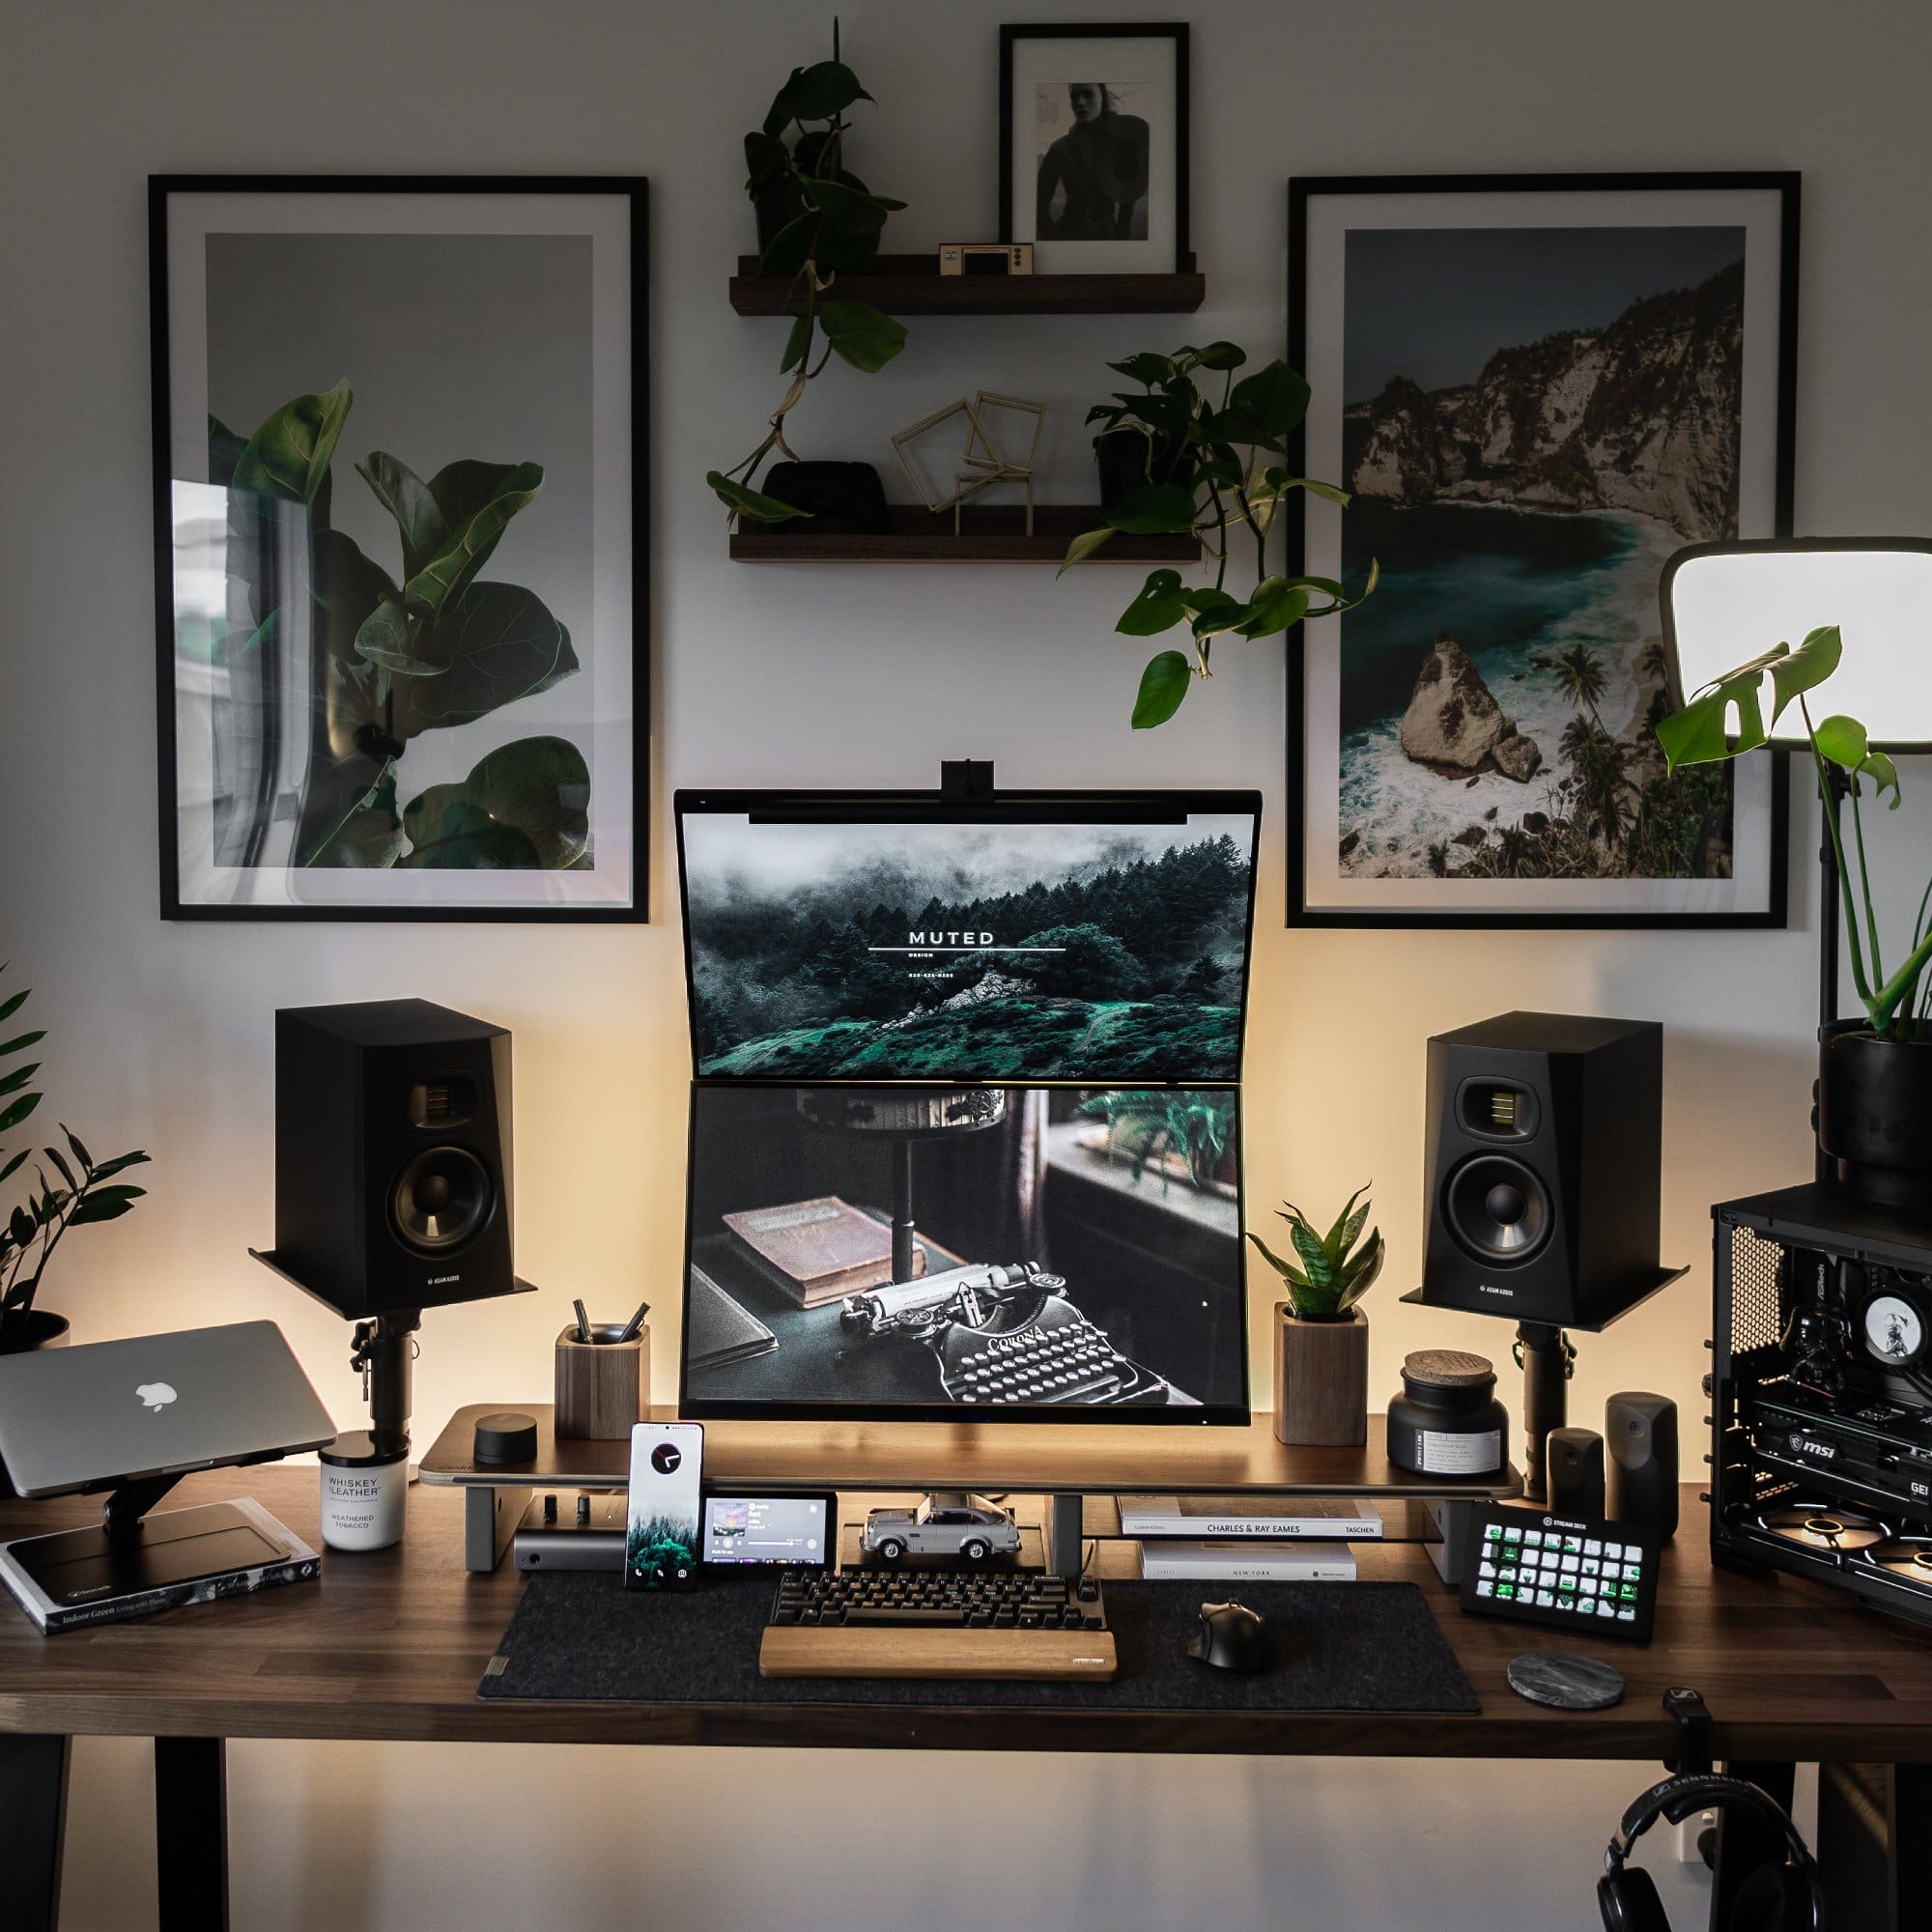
(1677, 1798)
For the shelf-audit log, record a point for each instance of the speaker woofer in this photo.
(441, 1200)
(1497, 1210)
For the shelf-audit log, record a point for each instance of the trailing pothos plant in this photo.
(827, 221)
(430, 648)
(81, 1191)
(1333, 1273)
(1204, 471)
(1725, 720)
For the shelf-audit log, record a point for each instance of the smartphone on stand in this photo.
(661, 1538)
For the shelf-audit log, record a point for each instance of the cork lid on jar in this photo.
(1447, 1369)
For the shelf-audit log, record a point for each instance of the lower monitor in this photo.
(954, 1253)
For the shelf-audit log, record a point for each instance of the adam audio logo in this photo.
(665, 1457)
(155, 1396)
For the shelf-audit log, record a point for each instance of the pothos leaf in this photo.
(1158, 607)
(1081, 547)
(1163, 685)
(744, 502)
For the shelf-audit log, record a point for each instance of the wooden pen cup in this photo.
(603, 1385)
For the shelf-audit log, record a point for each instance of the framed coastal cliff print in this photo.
(1094, 147)
(400, 546)
(1534, 388)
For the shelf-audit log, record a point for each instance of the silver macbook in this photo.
(103, 1413)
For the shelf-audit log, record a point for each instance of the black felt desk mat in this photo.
(579, 1637)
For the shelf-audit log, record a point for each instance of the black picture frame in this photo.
(633, 193)
(1785, 186)
(1176, 31)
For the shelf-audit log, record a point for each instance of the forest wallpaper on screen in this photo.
(947, 951)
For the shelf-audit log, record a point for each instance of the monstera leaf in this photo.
(524, 806)
(1701, 733)
(501, 643)
(288, 456)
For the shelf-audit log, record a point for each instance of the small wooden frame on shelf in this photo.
(987, 534)
(912, 285)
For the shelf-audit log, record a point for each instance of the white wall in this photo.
(162, 1034)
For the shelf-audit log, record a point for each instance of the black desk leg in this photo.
(191, 1833)
(32, 1823)
(1875, 1843)
(1746, 1842)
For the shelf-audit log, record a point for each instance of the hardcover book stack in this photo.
(1248, 1539)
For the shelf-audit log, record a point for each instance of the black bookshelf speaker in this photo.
(1544, 1152)
(392, 1155)
(1640, 1431)
(1574, 1473)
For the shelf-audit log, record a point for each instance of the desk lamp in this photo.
(1725, 604)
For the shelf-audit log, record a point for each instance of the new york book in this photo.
(1249, 1515)
(818, 1250)
(297, 1565)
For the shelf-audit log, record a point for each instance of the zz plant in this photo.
(1334, 1274)
(1898, 1004)
(82, 1190)
(1205, 471)
(828, 223)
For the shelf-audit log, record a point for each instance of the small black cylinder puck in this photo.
(506, 1437)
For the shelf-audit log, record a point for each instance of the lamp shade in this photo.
(1727, 603)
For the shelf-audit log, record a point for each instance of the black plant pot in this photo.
(1121, 458)
(1875, 1115)
(35, 1329)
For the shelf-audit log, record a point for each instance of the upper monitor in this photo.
(1092, 936)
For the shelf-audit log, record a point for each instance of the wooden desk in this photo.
(392, 1646)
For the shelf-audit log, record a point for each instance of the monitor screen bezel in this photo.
(1147, 807)
(726, 1408)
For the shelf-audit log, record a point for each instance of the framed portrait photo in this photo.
(400, 546)
(1535, 389)
(1094, 147)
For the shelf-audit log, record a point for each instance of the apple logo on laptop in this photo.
(156, 1394)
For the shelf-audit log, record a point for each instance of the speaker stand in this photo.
(383, 1351)
(1548, 1358)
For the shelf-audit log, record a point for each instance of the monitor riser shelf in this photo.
(1063, 1462)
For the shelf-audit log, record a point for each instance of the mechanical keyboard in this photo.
(937, 1623)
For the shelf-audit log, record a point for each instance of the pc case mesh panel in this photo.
(1757, 1303)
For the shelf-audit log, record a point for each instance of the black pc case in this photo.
(1830, 1483)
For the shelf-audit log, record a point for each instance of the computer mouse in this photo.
(1230, 1637)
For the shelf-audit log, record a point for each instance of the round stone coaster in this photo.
(1569, 1683)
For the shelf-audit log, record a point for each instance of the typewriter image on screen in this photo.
(1005, 1335)
(839, 1233)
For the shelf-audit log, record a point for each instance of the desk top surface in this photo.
(392, 1646)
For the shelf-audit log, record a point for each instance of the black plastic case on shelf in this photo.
(1820, 1393)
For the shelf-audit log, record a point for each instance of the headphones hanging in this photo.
(1785, 1897)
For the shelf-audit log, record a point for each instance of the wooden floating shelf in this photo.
(912, 285)
(993, 535)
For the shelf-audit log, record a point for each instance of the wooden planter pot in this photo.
(1320, 1379)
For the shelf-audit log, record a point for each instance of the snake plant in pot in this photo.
(1321, 1338)
(1875, 1073)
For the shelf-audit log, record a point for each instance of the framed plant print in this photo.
(1094, 170)
(1534, 388)
(400, 546)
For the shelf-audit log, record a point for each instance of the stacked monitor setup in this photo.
(965, 1121)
